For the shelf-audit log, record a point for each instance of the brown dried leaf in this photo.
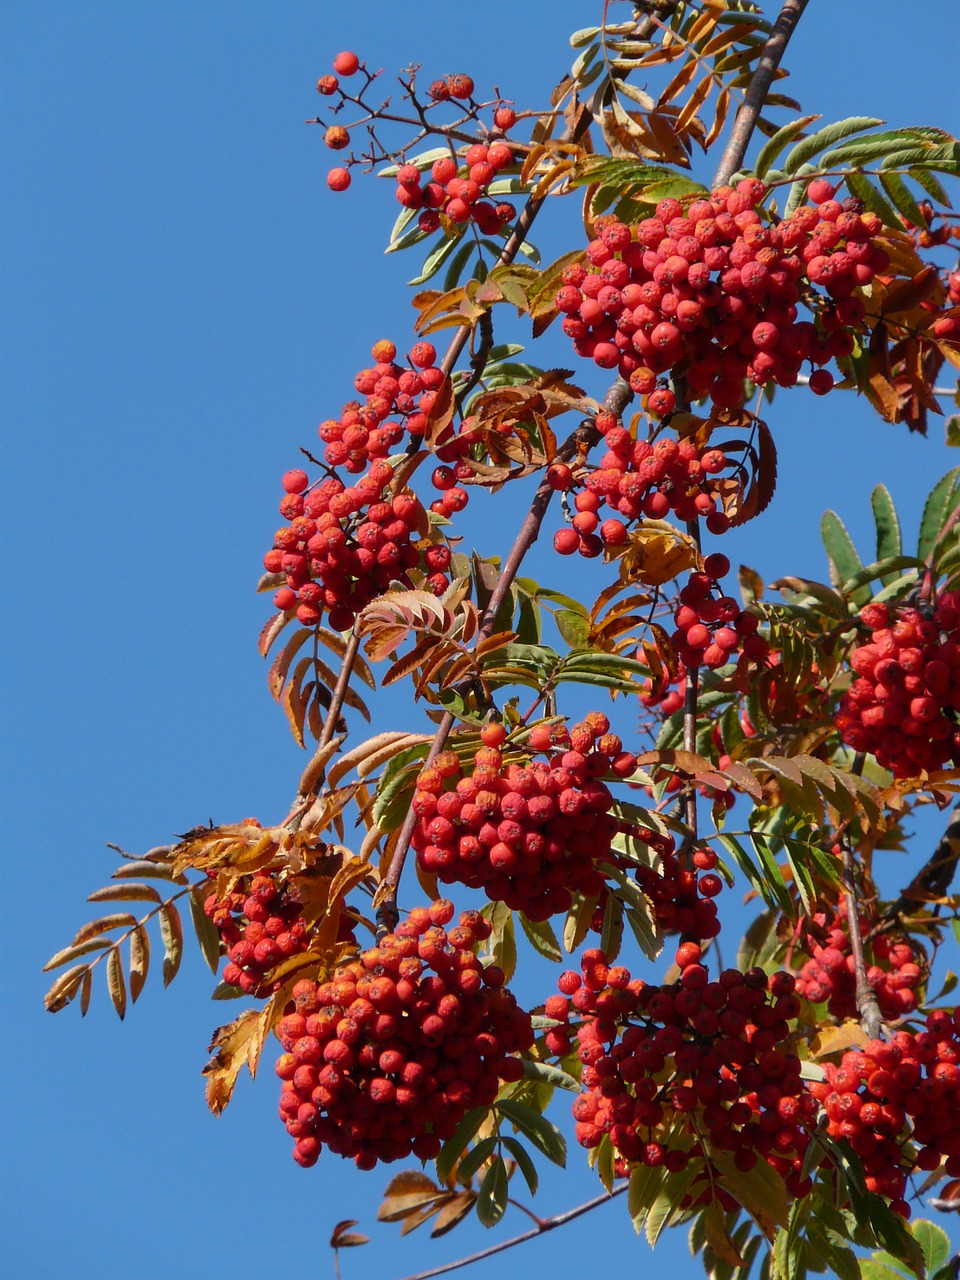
(65, 988)
(122, 919)
(694, 103)
(74, 953)
(230, 1045)
(116, 985)
(171, 934)
(139, 960)
(344, 1238)
(125, 892)
(277, 675)
(271, 629)
(453, 1212)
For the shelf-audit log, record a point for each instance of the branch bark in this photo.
(868, 1006)
(756, 95)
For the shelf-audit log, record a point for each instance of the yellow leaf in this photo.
(230, 1045)
(849, 1034)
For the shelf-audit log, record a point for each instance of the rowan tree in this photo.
(587, 778)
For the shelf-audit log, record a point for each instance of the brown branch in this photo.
(756, 95)
(935, 876)
(615, 401)
(868, 1006)
(546, 1224)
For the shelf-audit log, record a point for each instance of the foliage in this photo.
(779, 1109)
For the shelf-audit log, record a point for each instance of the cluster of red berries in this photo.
(384, 1060)
(397, 399)
(828, 975)
(459, 85)
(682, 898)
(903, 706)
(345, 545)
(638, 480)
(530, 833)
(261, 923)
(456, 191)
(664, 1065)
(874, 1092)
(714, 290)
(710, 628)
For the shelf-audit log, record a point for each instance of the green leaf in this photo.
(884, 569)
(844, 560)
(541, 937)
(574, 628)
(457, 263)
(207, 933)
(894, 1235)
(435, 260)
(524, 1163)
(823, 138)
(762, 1191)
(889, 541)
(645, 1184)
(901, 198)
(770, 887)
(475, 1157)
(864, 190)
(774, 146)
(459, 1140)
(934, 1242)
(546, 1137)
(938, 506)
(667, 1203)
(492, 1200)
(544, 1073)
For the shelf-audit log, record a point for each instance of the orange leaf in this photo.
(230, 1045)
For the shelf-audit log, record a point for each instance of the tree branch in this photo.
(935, 876)
(547, 1224)
(615, 401)
(868, 1006)
(756, 95)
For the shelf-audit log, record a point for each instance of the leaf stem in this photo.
(756, 95)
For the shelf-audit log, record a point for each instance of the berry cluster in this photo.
(638, 479)
(384, 1060)
(530, 833)
(456, 191)
(828, 975)
(345, 545)
(261, 924)
(709, 628)
(364, 431)
(665, 1066)
(870, 1097)
(903, 706)
(683, 902)
(713, 291)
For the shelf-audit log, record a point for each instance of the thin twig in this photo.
(756, 95)
(868, 1005)
(547, 1224)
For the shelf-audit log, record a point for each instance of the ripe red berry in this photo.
(460, 86)
(346, 64)
(505, 118)
(328, 85)
(338, 179)
(423, 355)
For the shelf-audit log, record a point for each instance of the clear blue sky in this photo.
(183, 302)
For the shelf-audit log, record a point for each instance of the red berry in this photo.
(346, 64)
(338, 179)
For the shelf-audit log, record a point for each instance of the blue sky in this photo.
(184, 302)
